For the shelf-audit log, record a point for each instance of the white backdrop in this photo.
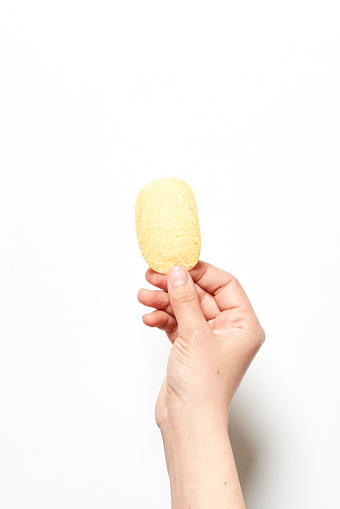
(241, 100)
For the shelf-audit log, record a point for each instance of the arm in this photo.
(215, 334)
(200, 462)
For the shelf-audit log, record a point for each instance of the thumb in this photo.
(185, 303)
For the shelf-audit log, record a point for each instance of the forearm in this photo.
(200, 462)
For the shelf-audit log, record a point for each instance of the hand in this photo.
(215, 334)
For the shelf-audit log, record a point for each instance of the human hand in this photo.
(215, 335)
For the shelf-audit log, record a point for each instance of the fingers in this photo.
(163, 321)
(156, 279)
(160, 281)
(155, 299)
(226, 289)
(186, 304)
(160, 300)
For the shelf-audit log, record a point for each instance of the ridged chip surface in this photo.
(167, 224)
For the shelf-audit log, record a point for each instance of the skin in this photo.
(215, 335)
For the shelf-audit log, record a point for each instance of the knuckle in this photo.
(236, 282)
(159, 300)
(183, 296)
(171, 324)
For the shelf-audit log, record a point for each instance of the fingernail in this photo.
(178, 276)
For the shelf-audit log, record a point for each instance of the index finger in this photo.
(226, 289)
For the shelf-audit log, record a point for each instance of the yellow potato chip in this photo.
(167, 225)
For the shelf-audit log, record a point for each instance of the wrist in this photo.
(193, 419)
(200, 461)
(192, 437)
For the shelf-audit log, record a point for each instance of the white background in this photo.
(241, 100)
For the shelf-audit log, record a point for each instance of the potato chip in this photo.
(167, 225)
